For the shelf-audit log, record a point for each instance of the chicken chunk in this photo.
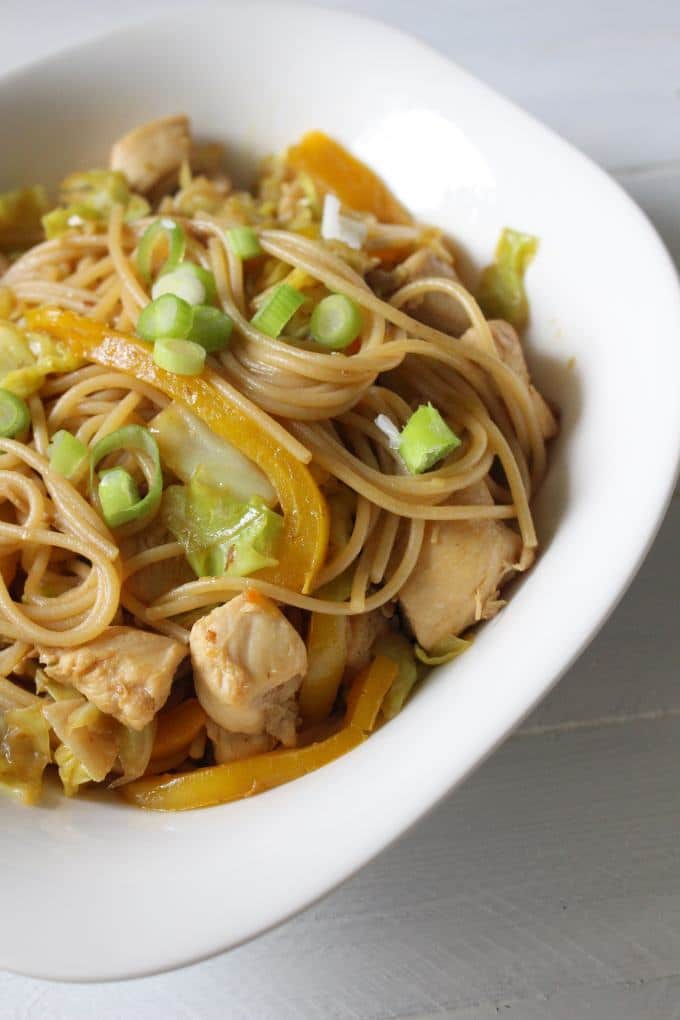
(152, 150)
(125, 672)
(362, 633)
(458, 574)
(228, 746)
(509, 347)
(434, 309)
(249, 662)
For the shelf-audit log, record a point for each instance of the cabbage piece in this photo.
(88, 196)
(20, 213)
(72, 772)
(63, 218)
(396, 647)
(134, 752)
(444, 651)
(26, 358)
(24, 752)
(219, 534)
(187, 444)
(89, 741)
(501, 293)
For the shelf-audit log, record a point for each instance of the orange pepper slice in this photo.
(326, 657)
(220, 784)
(305, 531)
(176, 728)
(333, 168)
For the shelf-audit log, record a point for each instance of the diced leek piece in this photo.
(211, 328)
(336, 322)
(278, 310)
(15, 416)
(244, 242)
(425, 439)
(501, 293)
(118, 495)
(131, 437)
(183, 357)
(67, 453)
(163, 231)
(168, 315)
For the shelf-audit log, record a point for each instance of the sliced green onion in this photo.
(15, 416)
(204, 276)
(425, 439)
(336, 322)
(183, 357)
(211, 328)
(278, 310)
(118, 495)
(130, 437)
(244, 242)
(168, 315)
(181, 285)
(66, 453)
(163, 229)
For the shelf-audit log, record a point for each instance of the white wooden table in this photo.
(548, 887)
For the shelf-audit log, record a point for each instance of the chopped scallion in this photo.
(118, 495)
(168, 315)
(336, 322)
(189, 281)
(129, 437)
(15, 416)
(183, 357)
(425, 439)
(244, 242)
(211, 328)
(67, 453)
(181, 285)
(278, 310)
(161, 230)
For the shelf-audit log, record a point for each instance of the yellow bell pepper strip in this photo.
(176, 728)
(220, 784)
(332, 168)
(326, 657)
(304, 538)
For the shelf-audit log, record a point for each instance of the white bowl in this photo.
(94, 890)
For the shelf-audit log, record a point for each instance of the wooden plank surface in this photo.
(548, 887)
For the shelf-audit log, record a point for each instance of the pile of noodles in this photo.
(321, 407)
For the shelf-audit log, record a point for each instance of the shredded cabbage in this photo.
(501, 293)
(186, 445)
(89, 741)
(24, 752)
(27, 358)
(396, 647)
(89, 196)
(444, 651)
(219, 534)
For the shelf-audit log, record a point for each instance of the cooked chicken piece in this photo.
(248, 663)
(435, 309)
(228, 746)
(362, 633)
(125, 672)
(509, 347)
(152, 150)
(460, 569)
